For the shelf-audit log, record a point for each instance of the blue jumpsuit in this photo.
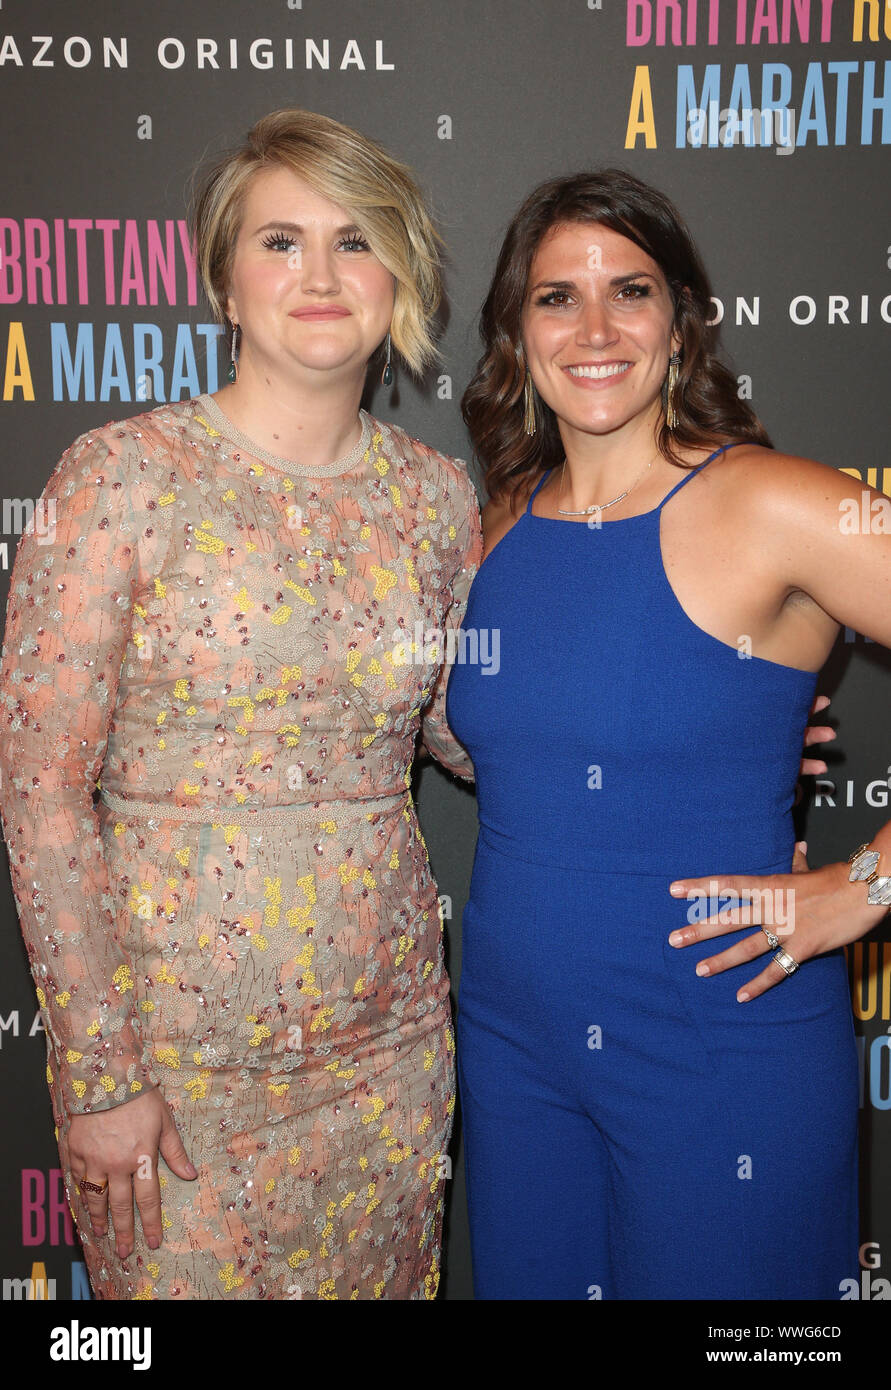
(631, 1130)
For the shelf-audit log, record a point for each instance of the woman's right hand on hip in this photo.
(122, 1145)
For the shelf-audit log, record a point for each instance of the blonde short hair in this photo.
(380, 194)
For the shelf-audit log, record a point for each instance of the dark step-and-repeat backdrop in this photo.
(108, 106)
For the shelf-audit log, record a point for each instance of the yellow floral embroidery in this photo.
(208, 543)
(229, 1278)
(385, 581)
(168, 1057)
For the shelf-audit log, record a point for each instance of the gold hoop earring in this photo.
(671, 415)
(529, 423)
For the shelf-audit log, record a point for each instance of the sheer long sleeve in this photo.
(436, 736)
(67, 630)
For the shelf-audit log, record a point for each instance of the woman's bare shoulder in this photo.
(768, 493)
(752, 472)
(502, 511)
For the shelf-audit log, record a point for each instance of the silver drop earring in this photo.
(232, 373)
(387, 373)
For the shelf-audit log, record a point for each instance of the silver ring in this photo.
(772, 940)
(789, 964)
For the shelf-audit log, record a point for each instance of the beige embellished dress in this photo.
(241, 653)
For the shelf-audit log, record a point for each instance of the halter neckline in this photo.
(638, 516)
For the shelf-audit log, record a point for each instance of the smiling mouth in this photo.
(595, 373)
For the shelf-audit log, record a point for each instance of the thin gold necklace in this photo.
(599, 506)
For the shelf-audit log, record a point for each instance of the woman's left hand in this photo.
(810, 910)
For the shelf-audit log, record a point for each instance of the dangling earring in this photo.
(671, 415)
(233, 355)
(387, 373)
(528, 406)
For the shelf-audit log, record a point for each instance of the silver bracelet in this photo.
(863, 862)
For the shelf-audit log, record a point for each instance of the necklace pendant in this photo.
(602, 506)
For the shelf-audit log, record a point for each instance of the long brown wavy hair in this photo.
(708, 408)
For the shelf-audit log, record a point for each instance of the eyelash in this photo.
(283, 241)
(644, 291)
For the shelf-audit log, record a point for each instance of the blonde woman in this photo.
(238, 948)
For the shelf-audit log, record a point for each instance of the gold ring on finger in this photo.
(86, 1186)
